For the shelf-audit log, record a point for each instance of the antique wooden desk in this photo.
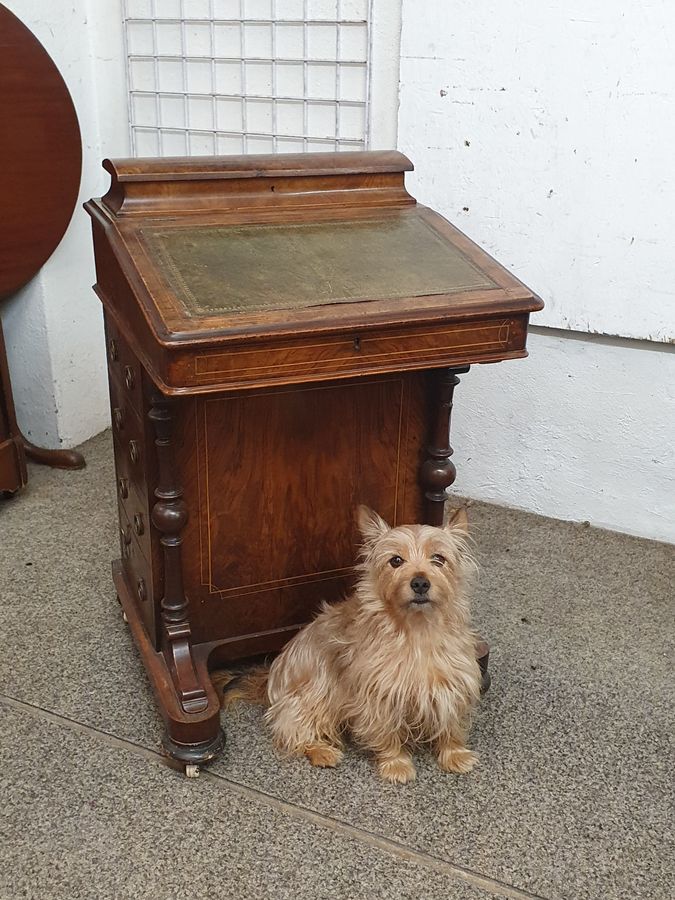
(284, 336)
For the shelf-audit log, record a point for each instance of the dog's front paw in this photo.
(323, 755)
(457, 759)
(399, 770)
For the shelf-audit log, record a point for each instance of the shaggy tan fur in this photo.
(391, 667)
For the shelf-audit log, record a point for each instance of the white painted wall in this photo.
(385, 36)
(495, 98)
(552, 122)
(53, 327)
(583, 429)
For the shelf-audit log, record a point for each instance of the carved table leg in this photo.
(169, 516)
(438, 472)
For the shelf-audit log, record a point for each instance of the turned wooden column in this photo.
(169, 516)
(438, 471)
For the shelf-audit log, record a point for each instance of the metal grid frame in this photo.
(281, 75)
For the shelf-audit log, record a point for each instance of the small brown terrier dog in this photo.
(394, 664)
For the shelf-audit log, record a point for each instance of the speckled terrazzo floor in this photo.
(573, 798)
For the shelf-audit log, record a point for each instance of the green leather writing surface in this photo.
(249, 268)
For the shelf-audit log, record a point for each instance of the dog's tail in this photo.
(250, 686)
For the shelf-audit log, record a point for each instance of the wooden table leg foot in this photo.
(57, 459)
(191, 738)
(194, 754)
(483, 657)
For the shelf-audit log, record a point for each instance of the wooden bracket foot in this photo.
(169, 516)
(57, 459)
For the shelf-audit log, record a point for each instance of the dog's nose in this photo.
(420, 585)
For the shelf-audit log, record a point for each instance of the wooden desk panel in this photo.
(254, 498)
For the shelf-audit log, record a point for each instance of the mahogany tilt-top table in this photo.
(284, 336)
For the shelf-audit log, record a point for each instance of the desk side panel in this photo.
(273, 479)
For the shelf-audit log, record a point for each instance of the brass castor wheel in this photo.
(124, 615)
(191, 758)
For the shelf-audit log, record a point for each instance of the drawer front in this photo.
(130, 447)
(129, 441)
(372, 351)
(135, 506)
(138, 572)
(135, 516)
(125, 370)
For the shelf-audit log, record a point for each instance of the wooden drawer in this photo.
(134, 514)
(374, 351)
(124, 369)
(138, 571)
(129, 441)
(134, 499)
(124, 417)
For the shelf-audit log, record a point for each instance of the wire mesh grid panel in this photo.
(247, 76)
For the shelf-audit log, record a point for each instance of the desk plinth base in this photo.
(191, 738)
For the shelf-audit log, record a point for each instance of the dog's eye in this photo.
(395, 562)
(438, 560)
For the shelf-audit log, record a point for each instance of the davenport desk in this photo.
(284, 335)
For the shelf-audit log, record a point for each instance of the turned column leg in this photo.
(169, 516)
(438, 472)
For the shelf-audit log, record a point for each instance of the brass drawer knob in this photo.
(139, 525)
(113, 352)
(134, 452)
(129, 377)
(118, 418)
(141, 590)
(125, 534)
(123, 487)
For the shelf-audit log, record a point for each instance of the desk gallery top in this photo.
(237, 271)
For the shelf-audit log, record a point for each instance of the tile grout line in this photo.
(299, 813)
(104, 737)
(372, 839)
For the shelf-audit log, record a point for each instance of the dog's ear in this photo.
(371, 526)
(459, 521)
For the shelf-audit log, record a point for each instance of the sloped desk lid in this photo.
(229, 269)
(224, 248)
